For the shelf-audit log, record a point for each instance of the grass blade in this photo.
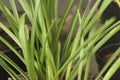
(10, 34)
(14, 9)
(9, 70)
(13, 64)
(112, 70)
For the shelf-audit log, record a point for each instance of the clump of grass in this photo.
(43, 55)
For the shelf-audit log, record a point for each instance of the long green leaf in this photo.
(13, 64)
(112, 70)
(26, 6)
(9, 70)
(12, 48)
(10, 18)
(10, 34)
(14, 9)
(108, 63)
(24, 40)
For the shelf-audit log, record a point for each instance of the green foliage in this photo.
(43, 54)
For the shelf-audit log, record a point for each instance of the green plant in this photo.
(43, 55)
